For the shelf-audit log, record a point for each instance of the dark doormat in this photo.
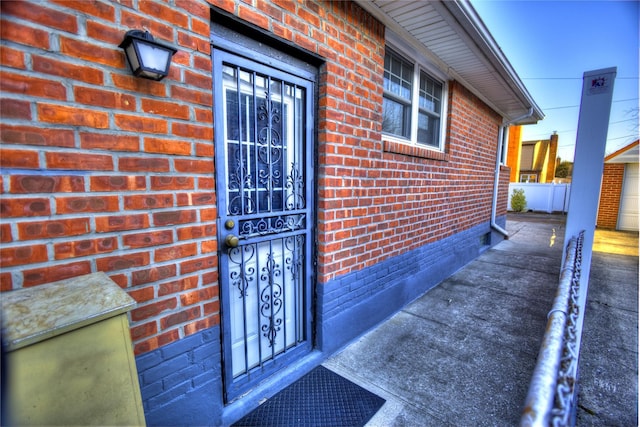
(321, 398)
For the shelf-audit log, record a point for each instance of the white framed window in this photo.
(414, 102)
(528, 177)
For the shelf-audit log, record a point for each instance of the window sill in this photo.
(413, 151)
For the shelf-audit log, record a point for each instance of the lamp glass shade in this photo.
(146, 57)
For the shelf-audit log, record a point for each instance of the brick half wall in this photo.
(610, 193)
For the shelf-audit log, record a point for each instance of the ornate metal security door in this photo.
(263, 132)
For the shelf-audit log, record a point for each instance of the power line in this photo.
(576, 106)
(571, 78)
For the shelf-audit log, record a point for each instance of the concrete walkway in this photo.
(463, 354)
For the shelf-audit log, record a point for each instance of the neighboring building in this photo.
(531, 161)
(305, 170)
(618, 206)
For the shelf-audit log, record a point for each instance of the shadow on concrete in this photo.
(463, 353)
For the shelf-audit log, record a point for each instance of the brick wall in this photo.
(377, 203)
(102, 171)
(610, 192)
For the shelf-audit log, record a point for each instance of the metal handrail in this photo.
(550, 400)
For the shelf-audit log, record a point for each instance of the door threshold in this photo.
(246, 403)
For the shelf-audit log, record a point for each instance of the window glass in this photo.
(430, 93)
(398, 77)
(400, 103)
(396, 118)
(428, 130)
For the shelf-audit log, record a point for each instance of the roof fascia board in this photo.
(478, 34)
(460, 17)
(611, 158)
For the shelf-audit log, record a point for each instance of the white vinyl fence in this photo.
(543, 197)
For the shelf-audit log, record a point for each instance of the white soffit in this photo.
(452, 34)
(628, 154)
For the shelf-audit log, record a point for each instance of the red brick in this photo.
(61, 114)
(53, 228)
(121, 223)
(82, 248)
(111, 142)
(118, 183)
(35, 12)
(122, 262)
(178, 286)
(15, 109)
(198, 264)
(47, 65)
(142, 294)
(25, 35)
(196, 199)
(98, 9)
(147, 239)
(165, 108)
(212, 307)
(148, 201)
(208, 214)
(152, 274)
(196, 232)
(27, 184)
(198, 80)
(12, 58)
(150, 310)
(104, 98)
(21, 255)
(141, 124)
(84, 204)
(5, 233)
(160, 31)
(175, 252)
(6, 282)
(169, 14)
(92, 53)
(180, 317)
(194, 166)
(163, 183)
(143, 164)
(195, 9)
(197, 296)
(107, 33)
(78, 161)
(206, 183)
(144, 330)
(17, 208)
(204, 150)
(209, 246)
(193, 96)
(29, 85)
(202, 324)
(136, 84)
(40, 276)
(253, 16)
(29, 135)
(19, 159)
(193, 131)
(162, 219)
(167, 146)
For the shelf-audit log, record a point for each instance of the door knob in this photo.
(232, 241)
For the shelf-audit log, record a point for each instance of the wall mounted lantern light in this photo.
(146, 57)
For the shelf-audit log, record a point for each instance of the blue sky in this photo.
(551, 44)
